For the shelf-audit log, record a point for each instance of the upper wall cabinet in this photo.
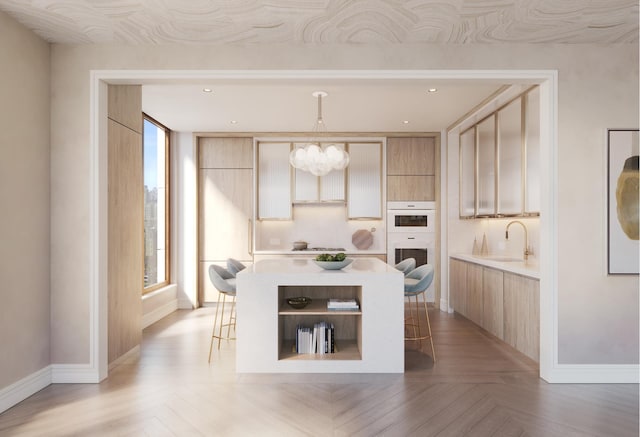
(274, 180)
(311, 189)
(364, 181)
(410, 169)
(500, 161)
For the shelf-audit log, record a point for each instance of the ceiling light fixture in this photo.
(207, 90)
(405, 121)
(313, 157)
(234, 121)
(433, 90)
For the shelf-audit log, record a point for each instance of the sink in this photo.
(499, 258)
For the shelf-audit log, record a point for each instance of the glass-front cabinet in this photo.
(500, 161)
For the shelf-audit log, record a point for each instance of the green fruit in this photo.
(339, 256)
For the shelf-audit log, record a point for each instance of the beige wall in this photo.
(24, 202)
(598, 88)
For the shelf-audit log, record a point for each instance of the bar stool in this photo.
(406, 265)
(234, 266)
(225, 283)
(416, 283)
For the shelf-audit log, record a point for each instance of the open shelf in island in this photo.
(316, 307)
(347, 324)
(346, 350)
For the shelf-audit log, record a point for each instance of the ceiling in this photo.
(271, 105)
(328, 21)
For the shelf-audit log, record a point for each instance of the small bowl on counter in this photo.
(300, 245)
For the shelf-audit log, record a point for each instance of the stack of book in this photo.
(317, 340)
(343, 304)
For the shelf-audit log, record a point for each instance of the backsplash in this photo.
(320, 226)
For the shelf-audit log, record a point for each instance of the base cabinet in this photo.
(505, 304)
(522, 314)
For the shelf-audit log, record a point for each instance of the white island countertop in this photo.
(368, 340)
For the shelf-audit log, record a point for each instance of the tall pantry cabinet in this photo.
(225, 196)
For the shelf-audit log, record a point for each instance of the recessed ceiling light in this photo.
(405, 121)
(433, 90)
(207, 90)
(234, 121)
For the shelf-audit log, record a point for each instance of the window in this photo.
(156, 204)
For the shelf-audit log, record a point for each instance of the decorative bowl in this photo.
(334, 265)
(299, 245)
(299, 302)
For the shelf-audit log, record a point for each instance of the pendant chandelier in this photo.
(314, 158)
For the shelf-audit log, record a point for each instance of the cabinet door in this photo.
(532, 111)
(510, 181)
(492, 307)
(411, 156)
(365, 181)
(225, 214)
(411, 188)
(305, 187)
(486, 155)
(274, 181)
(522, 314)
(468, 173)
(458, 286)
(474, 293)
(225, 152)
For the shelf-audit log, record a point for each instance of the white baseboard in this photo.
(444, 305)
(22, 389)
(160, 312)
(74, 374)
(594, 374)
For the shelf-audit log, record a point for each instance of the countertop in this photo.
(318, 252)
(306, 266)
(529, 268)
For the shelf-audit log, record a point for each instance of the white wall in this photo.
(24, 200)
(598, 88)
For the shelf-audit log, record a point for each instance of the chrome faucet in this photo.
(527, 250)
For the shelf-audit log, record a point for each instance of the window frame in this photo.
(167, 218)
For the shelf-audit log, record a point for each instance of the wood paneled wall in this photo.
(126, 215)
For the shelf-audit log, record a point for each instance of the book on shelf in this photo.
(316, 340)
(343, 304)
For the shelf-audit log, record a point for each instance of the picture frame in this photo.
(623, 245)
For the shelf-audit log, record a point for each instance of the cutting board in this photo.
(362, 239)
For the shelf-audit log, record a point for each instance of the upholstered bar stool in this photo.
(406, 265)
(225, 283)
(234, 266)
(416, 283)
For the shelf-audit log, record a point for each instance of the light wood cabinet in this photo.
(225, 152)
(522, 314)
(225, 206)
(274, 181)
(411, 156)
(458, 285)
(125, 220)
(411, 169)
(474, 293)
(364, 185)
(492, 298)
(505, 304)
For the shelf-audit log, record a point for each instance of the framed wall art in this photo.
(623, 179)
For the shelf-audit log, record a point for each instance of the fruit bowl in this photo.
(299, 302)
(334, 265)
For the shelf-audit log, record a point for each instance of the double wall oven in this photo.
(411, 233)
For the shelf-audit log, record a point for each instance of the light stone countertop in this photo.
(531, 268)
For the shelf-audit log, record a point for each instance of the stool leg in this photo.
(418, 319)
(224, 300)
(213, 332)
(426, 312)
(231, 318)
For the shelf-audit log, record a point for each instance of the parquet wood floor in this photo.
(478, 387)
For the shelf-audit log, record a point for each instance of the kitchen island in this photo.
(367, 340)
